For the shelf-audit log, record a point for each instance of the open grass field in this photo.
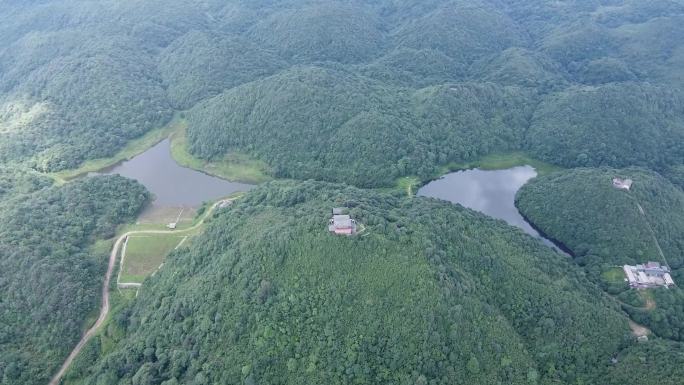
(614, 275)
(235, 167)
(410, 184)
(145, 253)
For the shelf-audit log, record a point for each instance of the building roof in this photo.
(629, 273)
(342, 221)
(338, 210)
(668, 279)
(622, 183)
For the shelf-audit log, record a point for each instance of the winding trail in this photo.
(104, 309)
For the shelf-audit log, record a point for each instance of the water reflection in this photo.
(172, 184)
(489, 192)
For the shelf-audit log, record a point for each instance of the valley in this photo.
(286, 192)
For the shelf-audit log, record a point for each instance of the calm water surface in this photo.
(489, 192)
(171, 184)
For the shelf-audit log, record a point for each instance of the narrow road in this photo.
(653, 234)
(104, 309)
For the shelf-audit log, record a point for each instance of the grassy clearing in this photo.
(235, 167)
(145, 253)
(409, 184)
(133, 148)
(648, 298)
(504, 161)
(614, 275)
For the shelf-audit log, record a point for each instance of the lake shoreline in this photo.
(492, 193)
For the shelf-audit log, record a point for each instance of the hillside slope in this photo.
(428, 293)
(331, 124)
(582, 210)
(80, 79)
(605, 227)
(50, 277)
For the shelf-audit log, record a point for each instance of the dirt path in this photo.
(650, 304)
(653, 234)
(104, 309)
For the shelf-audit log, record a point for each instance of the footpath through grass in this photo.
(614, 275)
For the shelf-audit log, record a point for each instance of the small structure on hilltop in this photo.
(172, 225)
(622, 184)
(341, 223)
(648, 275)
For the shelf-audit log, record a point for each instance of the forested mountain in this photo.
(282, 120)
(428, 293)
(577, 83)
(616, 125)
(605, 227)
(19, 181)
(599, 223)
(49, 277)
(359, 92)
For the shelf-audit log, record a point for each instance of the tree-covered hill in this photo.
(50, 278)
(613, 125)
(200, 65)
(20, 181)
(428, 293)
(581, 209)
(79, 79)
(325, 123)
(326, 31)
(605, 227)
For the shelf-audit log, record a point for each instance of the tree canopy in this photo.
(578, 84)
(429, 292)
(50, 274)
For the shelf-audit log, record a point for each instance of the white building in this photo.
(648, 275)
(622, 184)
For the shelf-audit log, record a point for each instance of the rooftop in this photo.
(342, 224)
(624, 184)
(648, 275)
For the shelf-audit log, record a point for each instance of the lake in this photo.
(491, 192)
(171, 184)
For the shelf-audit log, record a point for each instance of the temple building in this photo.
(341, 223)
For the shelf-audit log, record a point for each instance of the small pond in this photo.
(491, 192)
(171, 184)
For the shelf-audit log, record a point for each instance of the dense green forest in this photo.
(359, 92)
(338, 139)
(577, 83)
(601, 224)
(604, 227)
(429, 293)
(50, 277)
